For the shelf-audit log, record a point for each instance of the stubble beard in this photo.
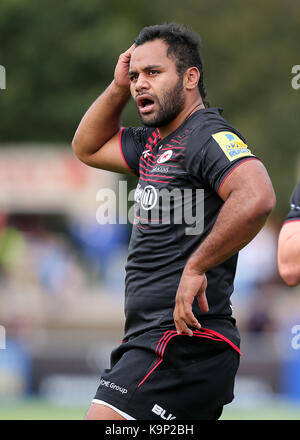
(170, 105)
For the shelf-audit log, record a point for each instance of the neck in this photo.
(180, 118)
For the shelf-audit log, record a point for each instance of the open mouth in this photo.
(145, 105)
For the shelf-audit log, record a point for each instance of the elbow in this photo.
(269, 202)
(290, 275)
(263, 204)
(75, 145)
(78, 149)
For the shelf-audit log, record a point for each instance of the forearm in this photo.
(237, 224)
(248, 200)
(101, 121)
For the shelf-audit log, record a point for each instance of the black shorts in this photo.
(160, 375)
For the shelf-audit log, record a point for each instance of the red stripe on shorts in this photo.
(168, 335)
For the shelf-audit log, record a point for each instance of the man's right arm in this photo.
(96, 141)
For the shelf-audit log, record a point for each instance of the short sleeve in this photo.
(220, 152)
(294, 213)
(132, 144)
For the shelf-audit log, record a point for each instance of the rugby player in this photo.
(180, 352)
(289, 242)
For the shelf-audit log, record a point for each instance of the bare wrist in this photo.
(194, 267)
(119, 90)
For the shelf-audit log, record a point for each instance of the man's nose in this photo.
(141, 83)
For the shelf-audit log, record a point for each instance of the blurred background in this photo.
(61, 272)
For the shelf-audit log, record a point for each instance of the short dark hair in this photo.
(183, 44)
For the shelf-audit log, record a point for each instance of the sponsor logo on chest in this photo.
(159, 169)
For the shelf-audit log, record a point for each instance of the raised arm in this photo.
(249, 198)
(96, 141)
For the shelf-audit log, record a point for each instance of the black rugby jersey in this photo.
(176, 205)
(294, 213)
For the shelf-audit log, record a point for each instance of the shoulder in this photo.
(210, 130)
(209, 121)
(140, 134)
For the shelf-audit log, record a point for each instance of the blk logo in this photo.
(158, 410)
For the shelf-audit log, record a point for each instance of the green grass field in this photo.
(35, 409)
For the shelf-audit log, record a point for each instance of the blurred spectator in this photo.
(57, 269)
(105, 248)
(31, 255)
(260, 317)
(256, 264)
(256, 270)
(12, 247)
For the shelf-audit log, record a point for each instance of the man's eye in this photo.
(132, 77)
(153, 72)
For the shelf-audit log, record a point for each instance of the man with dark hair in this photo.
(180, 352)
(289, 242)
(183, 46)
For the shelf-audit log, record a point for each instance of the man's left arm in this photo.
(249, 198)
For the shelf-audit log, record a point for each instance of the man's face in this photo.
(155, 86)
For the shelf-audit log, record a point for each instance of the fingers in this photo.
(122, 67)
(183, 316)
(131, 49)
(202, 302)
(127, 54)
(191, 286)
(182, 328)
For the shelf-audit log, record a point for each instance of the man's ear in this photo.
(191, 78)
